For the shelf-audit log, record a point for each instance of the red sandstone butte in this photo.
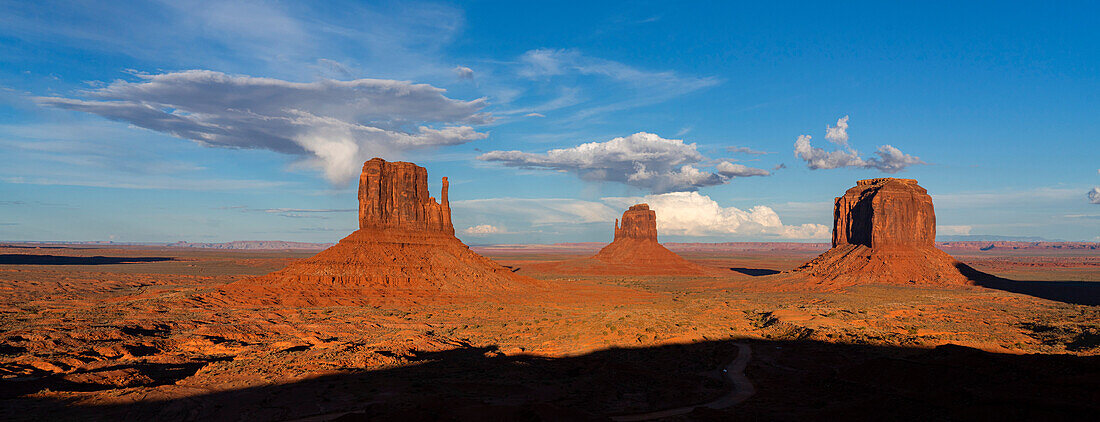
(884, 231)
(639, 222)
(405, 247)
(633, 251)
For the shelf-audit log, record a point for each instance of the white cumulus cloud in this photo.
(1094, 195)
(838, 134)
(889, 159)
(694, 214)
(333, 125)
(463, 72)
(483, 230)
(643, 160)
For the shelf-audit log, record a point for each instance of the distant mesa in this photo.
(633, 251)
(405, 247)
(884, 231)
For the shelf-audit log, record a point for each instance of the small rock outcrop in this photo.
(633, 251)
(405, 248)
(884, 231)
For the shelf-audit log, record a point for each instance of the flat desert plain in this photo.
(124, 333)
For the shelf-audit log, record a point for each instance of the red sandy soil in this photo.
(856, 264)
(626, 257)
(119, 334)
(372, 266)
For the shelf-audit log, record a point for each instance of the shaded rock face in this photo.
(395, 195)
(639, 222)
(884, 212)
(405, 249)
(884, 231)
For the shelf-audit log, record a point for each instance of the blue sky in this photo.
(219, 121)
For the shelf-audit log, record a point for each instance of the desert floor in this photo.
(124, 333)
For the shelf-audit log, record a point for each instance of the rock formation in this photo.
(395, 196)
(639, 222)
(405, 247)
(634, 251)
(884, 231)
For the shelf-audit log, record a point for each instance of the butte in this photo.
(884, 232)
(405, 248)
(633, 251)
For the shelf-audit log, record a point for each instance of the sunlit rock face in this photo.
(884, 231)
(884, 212)
(639, 222)
(395, 195)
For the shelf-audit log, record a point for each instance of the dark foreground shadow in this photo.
(1073, 292)
(794, 380)
(755, 272)
(22, 259)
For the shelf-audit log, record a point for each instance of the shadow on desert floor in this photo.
(755, 272)
(22, 259)
(794, 380)
(1072, 292)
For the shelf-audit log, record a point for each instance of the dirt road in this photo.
(735, 373)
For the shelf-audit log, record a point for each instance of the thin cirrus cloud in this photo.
(535, 212)
(731, 170)
(642, 160)
(746, 150)
(640, 87)
(332, 125)
(889, 160)
(319, 213)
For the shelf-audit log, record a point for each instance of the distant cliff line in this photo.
(583, 246)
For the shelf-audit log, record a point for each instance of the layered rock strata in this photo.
(884, 231)
(639, 222)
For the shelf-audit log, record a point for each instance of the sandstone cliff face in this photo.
(405, 248)
(884, 231)
(884, 212)
(639, 222)
(395, 195)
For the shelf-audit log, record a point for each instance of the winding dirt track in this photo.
(741, 391)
